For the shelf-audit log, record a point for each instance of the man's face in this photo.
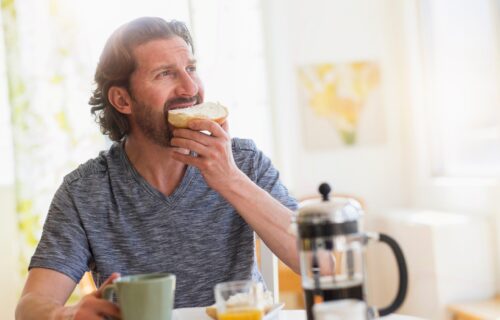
(165, 78)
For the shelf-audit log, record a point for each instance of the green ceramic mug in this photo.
(144, 296)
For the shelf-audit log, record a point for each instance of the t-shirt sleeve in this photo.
(63, 246)
(268, 178)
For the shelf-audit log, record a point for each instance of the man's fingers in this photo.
(92, 307)
(107, 308)
(88, 316)
(109, 280)
(225, 126)
(112, 277)
(211, 126)
(187, 159)
(193, 135)
(101, 307)
(189, 144)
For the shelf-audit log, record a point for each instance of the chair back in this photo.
(268, 264)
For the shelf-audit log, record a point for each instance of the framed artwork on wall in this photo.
(341, 105)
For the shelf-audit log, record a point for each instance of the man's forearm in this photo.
(267, 216)
(36, 307)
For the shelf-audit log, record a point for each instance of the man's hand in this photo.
(215, 156)
(46, 291)
(266, 215)
(92, 306)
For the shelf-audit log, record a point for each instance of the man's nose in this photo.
(187, 86)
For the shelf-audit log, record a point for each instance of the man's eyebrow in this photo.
(163, 67)
(171, 66)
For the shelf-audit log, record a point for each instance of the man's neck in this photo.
(155, 164)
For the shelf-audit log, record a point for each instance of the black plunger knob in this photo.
(325, 189)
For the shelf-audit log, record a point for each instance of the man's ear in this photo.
(120, 99)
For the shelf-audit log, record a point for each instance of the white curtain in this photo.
(49, 76)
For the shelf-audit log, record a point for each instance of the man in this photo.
(161, 199)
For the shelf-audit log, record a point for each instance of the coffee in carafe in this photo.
(332, 249)
(332, 294)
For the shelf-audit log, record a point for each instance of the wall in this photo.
(470, 196)
(396, 173)
(318, 31)
(439, 273)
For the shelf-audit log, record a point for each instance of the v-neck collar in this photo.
(170, 200)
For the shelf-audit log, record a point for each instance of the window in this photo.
(462, 85)
(229, 45)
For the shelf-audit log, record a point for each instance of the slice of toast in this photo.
(212, 311)
(180, 118)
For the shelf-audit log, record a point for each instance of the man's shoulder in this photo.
(93, 168)
(247, 156)
(240, 144)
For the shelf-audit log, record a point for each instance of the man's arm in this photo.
(46, 292)
(267, 216)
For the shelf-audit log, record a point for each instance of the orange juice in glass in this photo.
(248, 314)
(239, 300)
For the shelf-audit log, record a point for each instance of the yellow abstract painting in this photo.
(341, 104)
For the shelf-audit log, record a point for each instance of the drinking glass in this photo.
(239, 300)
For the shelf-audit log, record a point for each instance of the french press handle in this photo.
(403, 275)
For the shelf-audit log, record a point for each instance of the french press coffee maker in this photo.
(332, 253)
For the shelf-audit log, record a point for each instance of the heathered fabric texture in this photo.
(106, 218)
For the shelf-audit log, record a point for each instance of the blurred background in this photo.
(394, 102)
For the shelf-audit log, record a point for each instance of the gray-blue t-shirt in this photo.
(106, 218)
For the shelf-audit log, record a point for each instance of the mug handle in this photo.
(403, 275)
(108, 292)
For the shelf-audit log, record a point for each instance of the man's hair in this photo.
(117, 64)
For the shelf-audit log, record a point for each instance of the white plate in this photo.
(274, 312)
(200, 314)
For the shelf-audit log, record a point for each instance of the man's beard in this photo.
(154, 124)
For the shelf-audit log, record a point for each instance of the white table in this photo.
(199, 314)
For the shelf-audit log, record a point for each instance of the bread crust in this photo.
(211, 312)
(181, 120)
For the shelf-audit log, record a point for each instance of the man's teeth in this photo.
(182, 106)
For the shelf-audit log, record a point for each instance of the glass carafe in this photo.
(332, 253)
